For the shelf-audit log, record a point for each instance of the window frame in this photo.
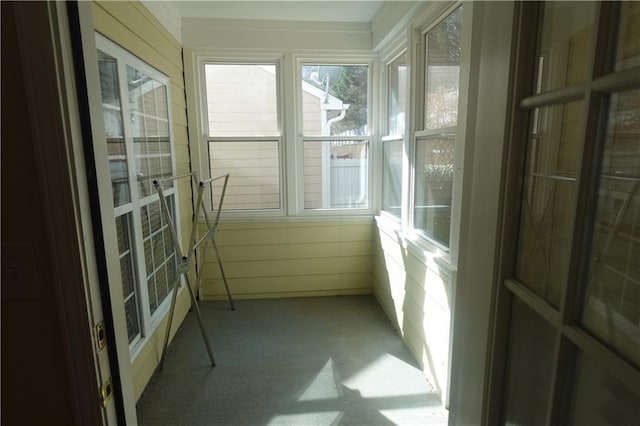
(397, 49)
(148, 322)
(420, 240)
(196, 84)
(300, 138)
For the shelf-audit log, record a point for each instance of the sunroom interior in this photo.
(435, 155)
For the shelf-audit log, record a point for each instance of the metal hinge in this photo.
(106, 392)
(101, 336)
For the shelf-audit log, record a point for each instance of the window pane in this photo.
(601, 399)
(242, 99)
(442, 73)
(397, 95)
(254, 166)
(547, 211)
(131, 313)
(529, 368)
(392, 154)
(612, 304)
(336, 174)
(149, 124)
(335, 100)
(434, 180)
(564, 51)
(628, 49)
(114, 132)
(128, 275)
(158, 251)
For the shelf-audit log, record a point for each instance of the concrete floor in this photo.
(303, 361)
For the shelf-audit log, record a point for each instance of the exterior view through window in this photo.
(336, 135)
(244, 133)
(435, 154)
(393, 142)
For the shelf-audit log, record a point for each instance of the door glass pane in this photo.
(392, 154)
(433, 186)
(158, 251)
(599, 398)
(529, 368)
(254, 166)
(242, 99)
(548, 201)
(565, 45)
(442, 76)
(149, 124)
(113, 129)
(628, 49)
(397, 95)
(336, 174)
(612, 304)
(335, 100)
(128, 275)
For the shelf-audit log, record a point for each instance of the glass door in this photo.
(567, 332)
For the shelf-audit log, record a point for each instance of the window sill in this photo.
(415, 243)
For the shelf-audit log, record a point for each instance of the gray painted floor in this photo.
(302, 361)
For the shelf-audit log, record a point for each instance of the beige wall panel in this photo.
(146, 361)
(130, 16)
(290, 267)
(292, 257)
(263, 233)
(253, 34)
(177, 93)
(416, 295)
(326, 284)
(182, 150)
(160, 27)
(181, 136)
(391, 247)
(179, 114)
(296, 251)
(414, 338)
(425, 329)
(110, 27)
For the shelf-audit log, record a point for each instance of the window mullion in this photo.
(137, 240)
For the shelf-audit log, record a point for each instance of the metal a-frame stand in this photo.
(184, 258)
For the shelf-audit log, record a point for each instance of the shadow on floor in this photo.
(304, 361)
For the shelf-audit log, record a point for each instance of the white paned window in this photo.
(243, 133)
(335, 143)
(135, 100)
(435, 142)
(393, 142)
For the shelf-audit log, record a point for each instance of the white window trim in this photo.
(199, 123)
(415, 236)
(148, 322)
(393, 51)
(300, 138)
(289, 83)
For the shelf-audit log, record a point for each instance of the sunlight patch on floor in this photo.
(326, 385)
(387, 376)
(324, 418)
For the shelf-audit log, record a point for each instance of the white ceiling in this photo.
(287, 10)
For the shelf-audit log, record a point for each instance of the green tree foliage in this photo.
(351, 88)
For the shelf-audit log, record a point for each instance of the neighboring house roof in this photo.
(332, 103)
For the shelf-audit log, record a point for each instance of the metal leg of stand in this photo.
(174, 297)
(224, 277)
(200, 323)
